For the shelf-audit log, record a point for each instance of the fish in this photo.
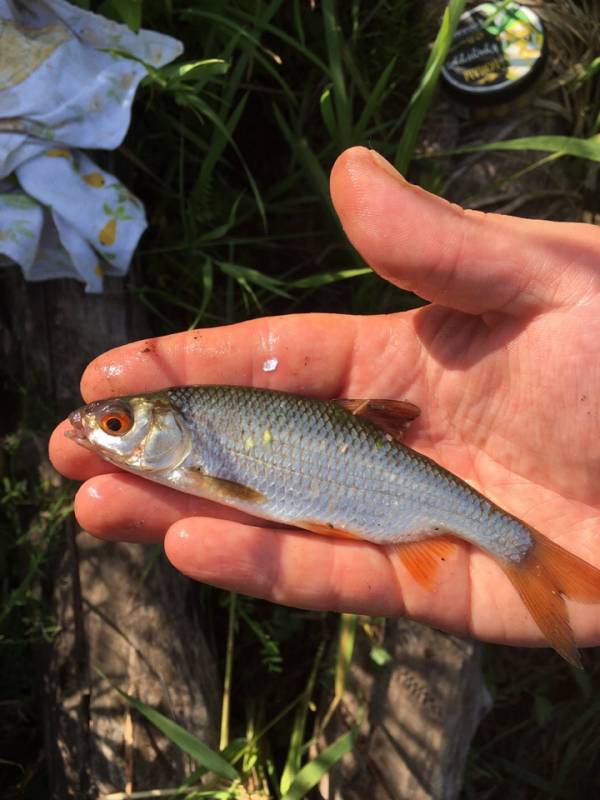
(338, 468)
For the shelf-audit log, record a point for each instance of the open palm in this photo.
(504, 363)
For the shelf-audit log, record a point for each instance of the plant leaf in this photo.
(241, 273)
(563, 145)
(186, 741)
(341, 99)
(327, 112)
(308, 159)
(127, 11)
(419, 102)
(374, 99)
(311, 773)
(324, 278)
(294, 757)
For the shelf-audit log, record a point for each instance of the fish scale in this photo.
(315, 462)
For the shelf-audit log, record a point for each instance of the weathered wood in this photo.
(142, 632)
(421, 711)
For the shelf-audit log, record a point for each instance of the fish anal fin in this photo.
(424, 558)
(326, 529)
(216, 488)
(392, 416)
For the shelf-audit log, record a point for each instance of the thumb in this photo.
(467, 260)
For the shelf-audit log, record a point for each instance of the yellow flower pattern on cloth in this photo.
(56, 152)
(104, 217)
(22, 49)
(95, 179)
(108, 234)
(62, 90)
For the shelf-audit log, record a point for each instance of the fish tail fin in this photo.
(545, 574)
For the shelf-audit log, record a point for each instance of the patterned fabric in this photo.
(60, 90)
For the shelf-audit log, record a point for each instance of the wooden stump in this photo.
(145, 634)
(421, 711)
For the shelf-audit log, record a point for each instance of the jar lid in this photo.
(497, 51)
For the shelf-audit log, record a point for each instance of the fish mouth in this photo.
(76, 432)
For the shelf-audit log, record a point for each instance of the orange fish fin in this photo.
(326, 529)
(571, 575)
(546, 606)
(545, 573)
(423, 559)
(392, 416)
(223, 488)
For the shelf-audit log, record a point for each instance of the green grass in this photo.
(541, 737)
(34, 505)
(230, 150)
(235, 233)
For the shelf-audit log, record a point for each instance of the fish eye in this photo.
(116, 423)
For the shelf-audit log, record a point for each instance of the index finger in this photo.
(313, 354)
(323, 355)
(303, 353)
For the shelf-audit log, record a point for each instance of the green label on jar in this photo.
(496, 46)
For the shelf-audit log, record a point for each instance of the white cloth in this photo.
(60, 214)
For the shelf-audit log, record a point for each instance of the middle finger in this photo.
(124, 507)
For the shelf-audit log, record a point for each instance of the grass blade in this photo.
(421, 99)
(241, 273)
(562, 145)
(127, 11)
(298, 23)
(226, 704)
(222, 136)
(311, 773)
(186, 741)
(227, 21)
(296, 748)
(345, 651)
(207, 290)
(341, 99)
(310, 162)
(374, 100)
(325, 278)
(296, 44)
(196, 73)
(328, 113)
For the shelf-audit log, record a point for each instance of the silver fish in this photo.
(335, 468)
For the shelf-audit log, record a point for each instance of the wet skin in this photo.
(505, 364)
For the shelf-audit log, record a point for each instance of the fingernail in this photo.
(183, 534)
(385, 165)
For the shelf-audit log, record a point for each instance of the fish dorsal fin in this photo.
(423, 559)
(392, 416)
(215, 488)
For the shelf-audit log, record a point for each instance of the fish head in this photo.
(141, 433)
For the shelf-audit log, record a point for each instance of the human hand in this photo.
(504, 365)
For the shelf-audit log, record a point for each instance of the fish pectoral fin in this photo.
(326, 529)
(392, 416)
(423, 559)
(221, 487)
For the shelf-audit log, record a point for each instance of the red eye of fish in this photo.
(116, 423)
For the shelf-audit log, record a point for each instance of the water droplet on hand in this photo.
(270, 365)
(112, 370)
